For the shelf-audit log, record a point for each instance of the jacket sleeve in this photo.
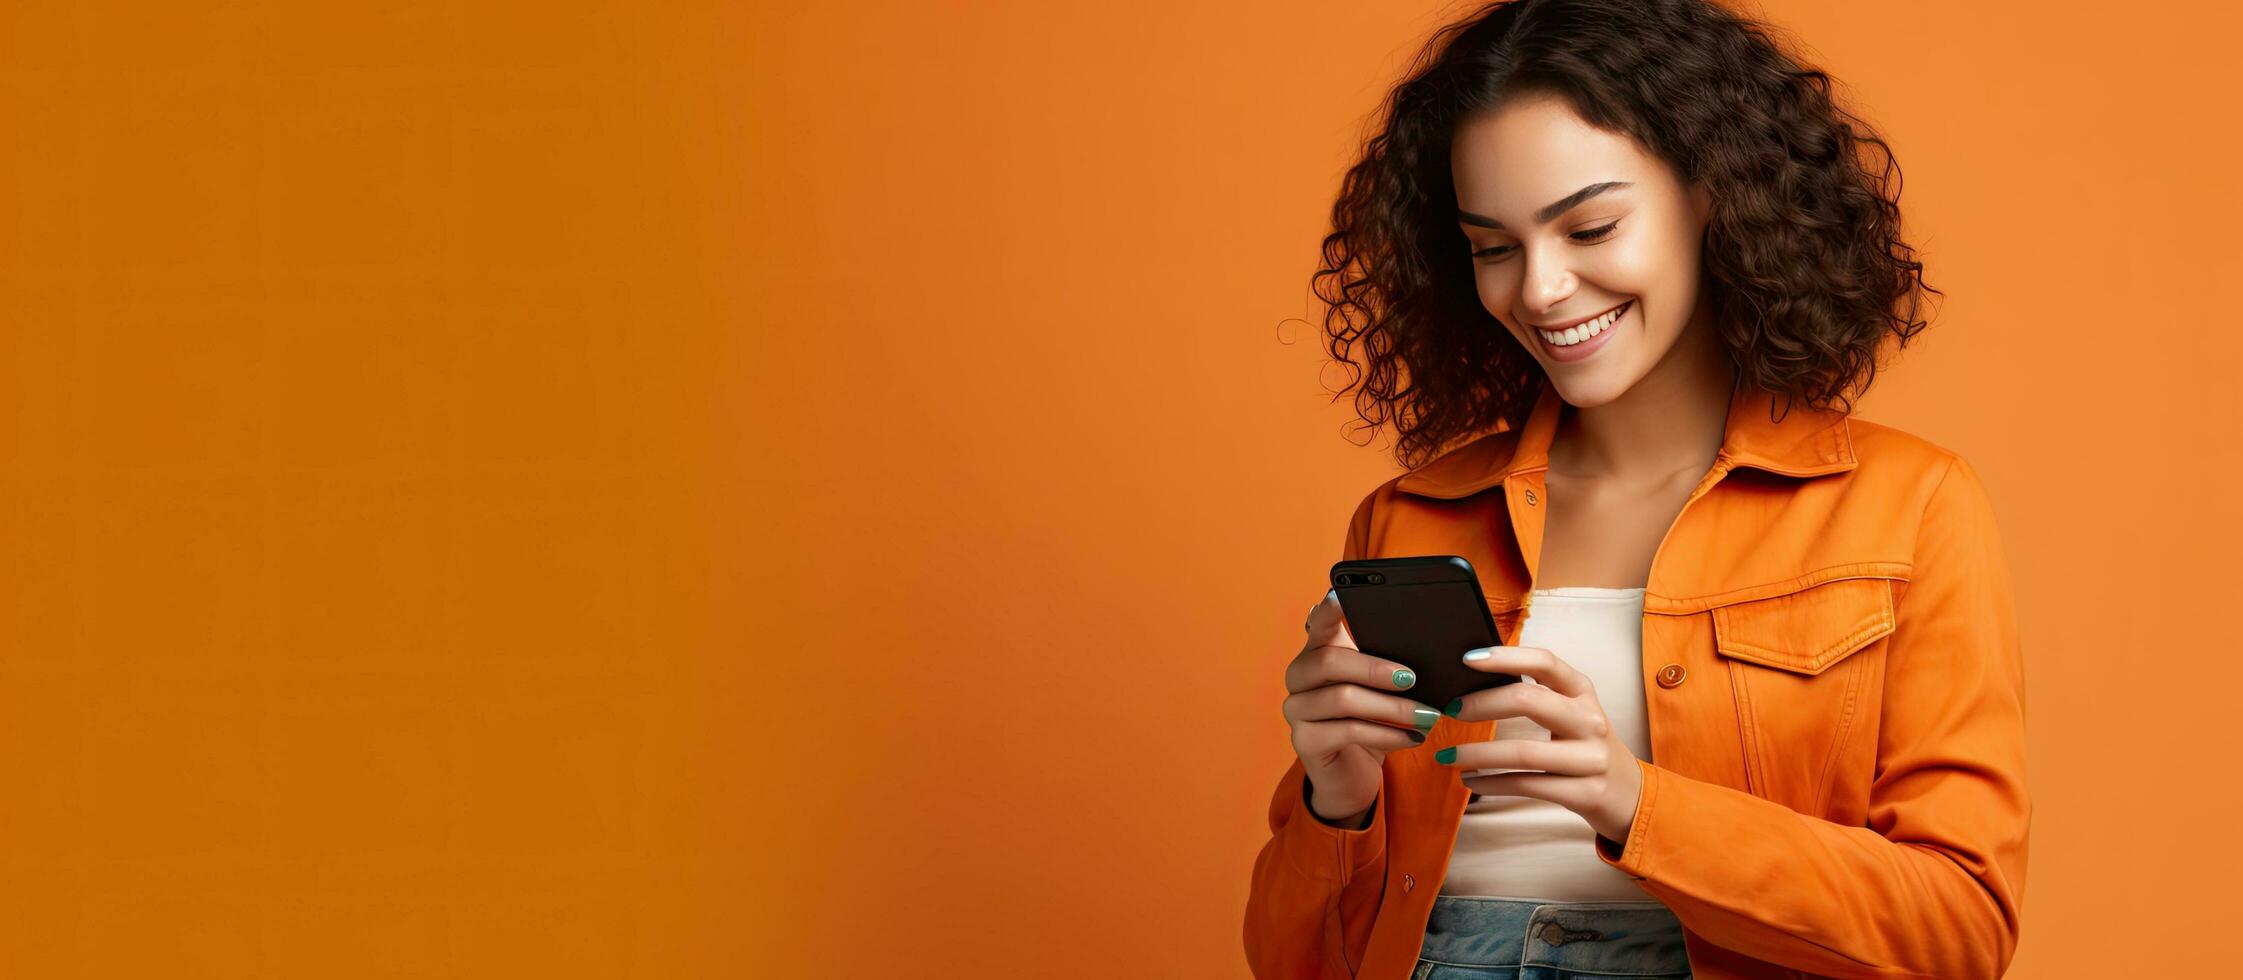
(1316, 888)
(1934, 885)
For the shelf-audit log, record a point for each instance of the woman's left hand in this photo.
(1585, 767)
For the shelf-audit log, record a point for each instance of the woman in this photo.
(1773, 718)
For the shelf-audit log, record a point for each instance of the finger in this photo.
(1564, 717)
(1330, 655)
(1547, 668)
(1327, 624)
(1325, 737)
(1566, 791)
(1529, 754)
(1335, 701)
(1335, 664)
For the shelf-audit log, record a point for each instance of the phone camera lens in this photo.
(1377, 578)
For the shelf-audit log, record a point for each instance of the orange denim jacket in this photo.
(1836, 703)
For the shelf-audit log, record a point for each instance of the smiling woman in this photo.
(1546, 161)
(1614, 271)
(1630, 243)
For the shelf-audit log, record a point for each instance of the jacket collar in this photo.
(1808, 442)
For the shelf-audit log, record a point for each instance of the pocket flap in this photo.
(1808, 630)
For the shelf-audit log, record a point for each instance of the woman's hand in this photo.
(1584, 766)
(1344, 721)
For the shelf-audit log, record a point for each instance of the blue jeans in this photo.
(1513, 939)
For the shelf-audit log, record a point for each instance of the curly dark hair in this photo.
(1803, 262)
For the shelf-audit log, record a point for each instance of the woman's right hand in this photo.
(1344, 718)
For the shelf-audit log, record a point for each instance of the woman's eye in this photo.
(1588, 237)
(1594, 234)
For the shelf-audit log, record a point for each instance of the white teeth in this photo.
(1574, 335)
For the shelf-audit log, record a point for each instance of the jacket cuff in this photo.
(1633, 856)
(1327, 853)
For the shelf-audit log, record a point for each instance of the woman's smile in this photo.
(1576, 343)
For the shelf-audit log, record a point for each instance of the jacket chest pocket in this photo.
(1806, 668)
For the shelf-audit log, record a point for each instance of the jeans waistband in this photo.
(1629, 938)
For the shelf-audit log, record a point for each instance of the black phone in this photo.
(1422, 612)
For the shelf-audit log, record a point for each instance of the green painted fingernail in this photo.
(1454, 707)
(1404, 677)
(1445, 756)
(1425, 718)
(1479, 653)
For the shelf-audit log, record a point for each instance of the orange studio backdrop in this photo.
(810, 490)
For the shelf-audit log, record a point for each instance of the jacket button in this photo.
(1409, 883)
(1671, 675)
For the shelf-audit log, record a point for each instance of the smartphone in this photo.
(1422, 612)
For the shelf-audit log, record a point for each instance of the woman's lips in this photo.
(1570, 324)
(1589, 346)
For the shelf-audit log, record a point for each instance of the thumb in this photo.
(1327, 625)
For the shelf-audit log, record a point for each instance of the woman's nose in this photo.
(1547, 284)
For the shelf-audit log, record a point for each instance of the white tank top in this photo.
(1524, 848)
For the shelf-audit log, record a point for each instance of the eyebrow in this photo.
(1551, 210)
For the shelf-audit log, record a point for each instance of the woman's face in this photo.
(1567, 222)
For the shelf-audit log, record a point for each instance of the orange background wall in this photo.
(609, 489)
